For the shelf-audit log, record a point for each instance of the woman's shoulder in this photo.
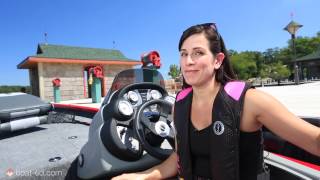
(258, 100)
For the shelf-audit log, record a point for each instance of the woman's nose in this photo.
(189, 60)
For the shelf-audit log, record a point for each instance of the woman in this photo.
(218, 120)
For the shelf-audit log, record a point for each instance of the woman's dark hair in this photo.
(225, 73)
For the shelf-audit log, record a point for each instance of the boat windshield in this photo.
(131, 76)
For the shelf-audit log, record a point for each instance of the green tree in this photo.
(232, 52)
(270, 63)
(278, 71)
(174, 71)
(270, 55)
(9, 89)
(304, 46)
(244, 65)
(265, 71)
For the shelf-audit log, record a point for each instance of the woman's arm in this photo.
(166, 169)
(272, 114)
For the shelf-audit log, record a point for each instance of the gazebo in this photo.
(310, 65)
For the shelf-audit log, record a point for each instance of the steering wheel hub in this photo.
(162, 129)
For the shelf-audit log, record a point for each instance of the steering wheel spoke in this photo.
(164, 115)
(171, 134)
(171, 138)
(160, 126)
(148, 124)
(171, 142)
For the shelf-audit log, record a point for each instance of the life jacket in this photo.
(224, 131)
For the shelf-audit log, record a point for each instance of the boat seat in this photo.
(21, 111)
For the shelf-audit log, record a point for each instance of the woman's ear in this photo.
(218, 60)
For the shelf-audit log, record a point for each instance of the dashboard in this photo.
(134, 98)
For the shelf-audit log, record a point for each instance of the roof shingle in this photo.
(71, 52)
(310, 57)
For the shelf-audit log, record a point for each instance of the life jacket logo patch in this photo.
(218, 128)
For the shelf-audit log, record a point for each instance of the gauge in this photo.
(125, 108)
(133, 96)
(155, 94)
(170, 99)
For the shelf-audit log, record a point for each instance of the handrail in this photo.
(290, 166)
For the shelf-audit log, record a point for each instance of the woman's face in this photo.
(196, 60)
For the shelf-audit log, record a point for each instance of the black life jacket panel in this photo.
(224, 132)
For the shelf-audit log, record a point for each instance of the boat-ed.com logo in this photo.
(32, 173)
(9, 172)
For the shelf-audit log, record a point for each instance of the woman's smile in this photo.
(191, 72)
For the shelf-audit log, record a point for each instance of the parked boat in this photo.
(131, 131)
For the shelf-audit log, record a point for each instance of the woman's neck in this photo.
(207, 91)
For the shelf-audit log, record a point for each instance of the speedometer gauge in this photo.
(170, 99)
(125, 108)
(133, 96)
(155, 94)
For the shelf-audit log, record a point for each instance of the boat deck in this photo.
(302, 100)
(35, 152)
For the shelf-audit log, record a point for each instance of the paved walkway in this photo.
(302, 100)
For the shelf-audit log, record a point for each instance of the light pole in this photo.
(292, 28)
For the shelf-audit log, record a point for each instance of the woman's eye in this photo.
(198, 53)
(183, 54)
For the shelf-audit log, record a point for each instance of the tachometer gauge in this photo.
(170, 99)
(155, 94)
(133, 96)
(125, 108)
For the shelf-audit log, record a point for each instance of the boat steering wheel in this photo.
(163, 127)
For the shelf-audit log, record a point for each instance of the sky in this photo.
(139, 26)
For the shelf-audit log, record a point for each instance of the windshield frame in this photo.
(133, 76)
